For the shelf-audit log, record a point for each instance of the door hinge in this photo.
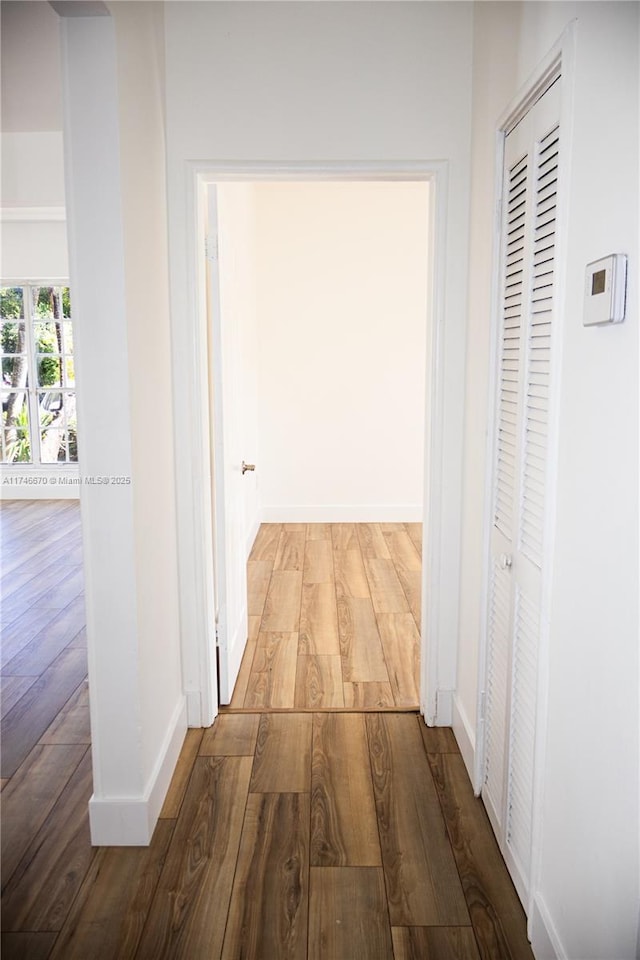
(211, 248)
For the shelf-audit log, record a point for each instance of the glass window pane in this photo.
(14, 338)
(15, 372)
(47, 336)
(69, 372)
(17, 446)
(49, 371)
(68, 337)
(50, 409)
(53, 446)
(47, 303)
(11, 303)
(66, 302)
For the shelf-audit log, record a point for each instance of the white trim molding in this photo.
(344, 513)
(130, 821)
(443, 466)
(32, 214)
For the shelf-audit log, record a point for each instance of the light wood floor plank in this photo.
(258, 577)
(109, 913)
(375, 695)
(46, 881)
(344, 829)
(181, 774)
(266, 543)
(272, 682)
(319, 531)
(372, 541)
(319, 682)
(401, 647)
(403, 550)
(348, 919)
(415, 532)
(188, 913)
(360, 645)
(282, 607)
(344, 536)
(232, 735)
(319, 620)
(350, 574)
(318, 562)
(423, 886)
(290, 552)
(434, 943)
(496, 913)
(386, 590)
(269, 903)
(282, 761)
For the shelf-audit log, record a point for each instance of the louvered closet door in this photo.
(519, 485)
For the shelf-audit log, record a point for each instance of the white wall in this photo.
(120, 282)
(31, 145)
(342, 293)
(359, 84)
(587, 889)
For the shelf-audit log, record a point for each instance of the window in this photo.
(38, 376)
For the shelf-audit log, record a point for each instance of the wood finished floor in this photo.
(334, 617)
(322, 835)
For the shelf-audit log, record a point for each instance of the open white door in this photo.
(225, 377)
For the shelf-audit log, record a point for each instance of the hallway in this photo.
(334, 617)
(336, 834)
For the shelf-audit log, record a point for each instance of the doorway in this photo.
(319, 305)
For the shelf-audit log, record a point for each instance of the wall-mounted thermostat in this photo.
(605, 290)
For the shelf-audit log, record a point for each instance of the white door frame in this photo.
(193, 447)
(559, 62)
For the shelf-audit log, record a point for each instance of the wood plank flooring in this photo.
(328, 834)
(335, 618)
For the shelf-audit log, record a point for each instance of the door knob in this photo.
(506, 561)
(247, 466)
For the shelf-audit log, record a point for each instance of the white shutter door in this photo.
(530, 194)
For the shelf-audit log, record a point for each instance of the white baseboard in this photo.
(344, 513)
(465, 737)
(194, 708)
(545, 941)
(444, 708)
(130, 821)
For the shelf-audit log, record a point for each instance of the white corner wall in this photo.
(586, 888)
(342, 293)
(114, 136)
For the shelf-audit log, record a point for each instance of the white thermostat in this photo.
(605, 290)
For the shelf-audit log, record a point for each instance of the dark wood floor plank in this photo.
(422, 880)
(49, 642)
(37, 708)
(16, 635)
(244, 674)
(348, 919)
(42, 888)
(496, 914)
(188, 914)
(434, 943)
(73, 723)
(319, 619)
(181, 774)
(319, 683)
(360, 644)
(11, 689)
(268, 913)
(232, 735)
(62, 584)
(266, 543)
(282, 762)
(109, 913)
(438, 739)
(30, 796)
(26, 946)
(39, 561)
(344, 829)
